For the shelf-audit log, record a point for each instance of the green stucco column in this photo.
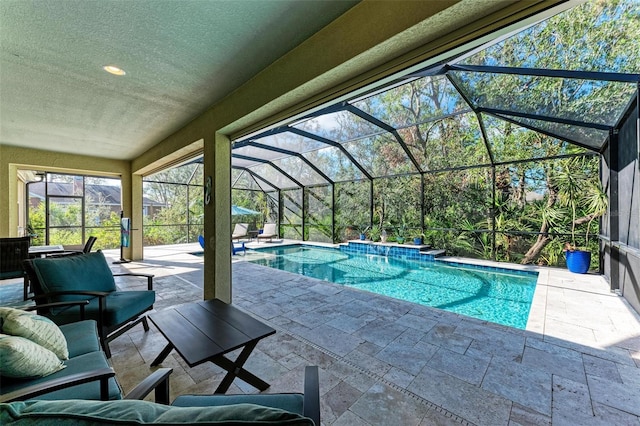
(134, 182)
(217, 218)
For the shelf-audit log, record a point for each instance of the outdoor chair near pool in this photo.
(88, 277)
(241, 230)
(269, 231)
(237, 248)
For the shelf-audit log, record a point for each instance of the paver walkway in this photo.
(386, 362)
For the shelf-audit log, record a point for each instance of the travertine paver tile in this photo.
(349, 324)
(574, 333)
(462, 398)
(350, 419)
(610, 416)
(601, 368)
(464, 367)
(407, 358)
(399, 377)
(340, 398)
(383, 405)
(525, 416)
(616, 395)
(510, 347)
(630, 375)
(553, 363)
(524, 385)
(417, 322)
(571, 402)
(444, 335)
(380, 332)
(369, 363)
(267, 310)
(311, 319)
(409, 337)
(334, 340)
(369, 348)
(435, 417)
(572, 406)
(618, 355)
(356, 308)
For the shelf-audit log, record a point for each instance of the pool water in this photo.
(499, 296)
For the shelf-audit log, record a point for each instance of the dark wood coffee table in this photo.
(207, 330)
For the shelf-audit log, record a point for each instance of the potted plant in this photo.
(417, 238)
(401, 232)
(594, 199)
(375, 233)
(363, 233)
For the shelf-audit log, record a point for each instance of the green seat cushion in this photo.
(121, 306)
(79, 364)
(23, 359)
(38, 329)
(81, 413)
(86, 272)
(82, 337)
(291, 402)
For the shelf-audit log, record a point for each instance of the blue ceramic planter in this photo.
(578, 261)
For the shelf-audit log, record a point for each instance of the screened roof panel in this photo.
(589, 101)
(188, 174)
(556, 88)
(340, 126)
(334, 163)
(451, 142)
(418, 101)
(300, 171)
(244, 163)
(241, 179)
(273, 176)
(381, 155)
(510, 142)
(552, 43)
(291, 142)
(593, 138)
(256, 152)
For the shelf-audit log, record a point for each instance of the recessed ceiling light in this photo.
(111, 69)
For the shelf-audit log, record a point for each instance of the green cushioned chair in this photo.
(88, 277)
(306, 404)
(256, 409)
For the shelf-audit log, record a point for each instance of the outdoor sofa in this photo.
(83, 390)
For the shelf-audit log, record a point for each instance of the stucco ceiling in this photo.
(180, 58)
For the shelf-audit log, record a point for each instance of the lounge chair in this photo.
(241, 230)
(238, 247)
(269, 231)
(75, 250)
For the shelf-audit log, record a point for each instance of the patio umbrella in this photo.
(237, 211)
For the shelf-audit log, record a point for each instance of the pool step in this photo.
(435, 252)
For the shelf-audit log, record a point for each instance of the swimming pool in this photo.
(500, 296)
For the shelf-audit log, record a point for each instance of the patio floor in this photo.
(387, 362)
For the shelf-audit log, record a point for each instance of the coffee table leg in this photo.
(165, 352)
(234, 369)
